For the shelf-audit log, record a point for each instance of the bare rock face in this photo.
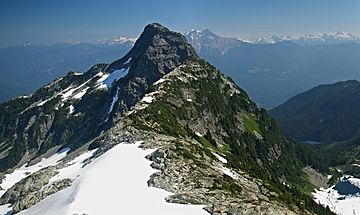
(32, 189)
(157, 52)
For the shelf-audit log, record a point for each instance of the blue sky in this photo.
(47, 21)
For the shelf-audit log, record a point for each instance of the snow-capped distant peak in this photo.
(26, 44)
(118, 40)
(193, 31)
(206, 39)
(311, 39)
(273, 39)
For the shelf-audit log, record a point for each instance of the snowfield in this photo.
(22, 172)
(114, 183)
(340, 204)
(114, 76)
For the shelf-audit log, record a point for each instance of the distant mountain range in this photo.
(207, 39)
(271, 69)
(315, 39)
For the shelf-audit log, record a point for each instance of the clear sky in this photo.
(47, 21)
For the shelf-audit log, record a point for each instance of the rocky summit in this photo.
(208, 144)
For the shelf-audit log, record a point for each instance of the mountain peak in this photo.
(157, 51)
(155, 26)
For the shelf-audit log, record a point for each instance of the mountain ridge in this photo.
(211, 141)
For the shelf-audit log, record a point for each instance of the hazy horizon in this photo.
(65, 21)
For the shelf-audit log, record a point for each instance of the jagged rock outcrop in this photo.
(32, 189)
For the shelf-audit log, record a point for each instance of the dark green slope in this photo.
(326, 113)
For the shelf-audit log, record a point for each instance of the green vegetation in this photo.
(327, 113)
(250, 123)
(271, 159)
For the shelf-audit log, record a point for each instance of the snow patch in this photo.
(114, 100)
(81, 93)
(147, 99)
(159, 81)
(220, 158)
(43, 102)
(67, 93)
(22, 172)
(74, 168)
(118, 181)
(128, 61)
(71, 109)
(339, 204)
(228, 172)
(114, 76)
(198, 134)
(5, 209)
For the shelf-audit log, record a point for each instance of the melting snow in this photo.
(114, 76)
(114, 183)
(198, 134)
(67, 93)
(228, 172)
(74, 168)
(43, 102)
(147, 99)
(159, 81)
(102, 78)
(220, 158)
(81, 93)
(128, 61)
(340, 204)
(71, 109)
(5, 209)
(114, 100)
(22, 172)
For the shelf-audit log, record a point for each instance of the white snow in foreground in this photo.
(114, 183)
(340, 204)
(74, 168)
(220, 158)
(22, 172)
(114, 76)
